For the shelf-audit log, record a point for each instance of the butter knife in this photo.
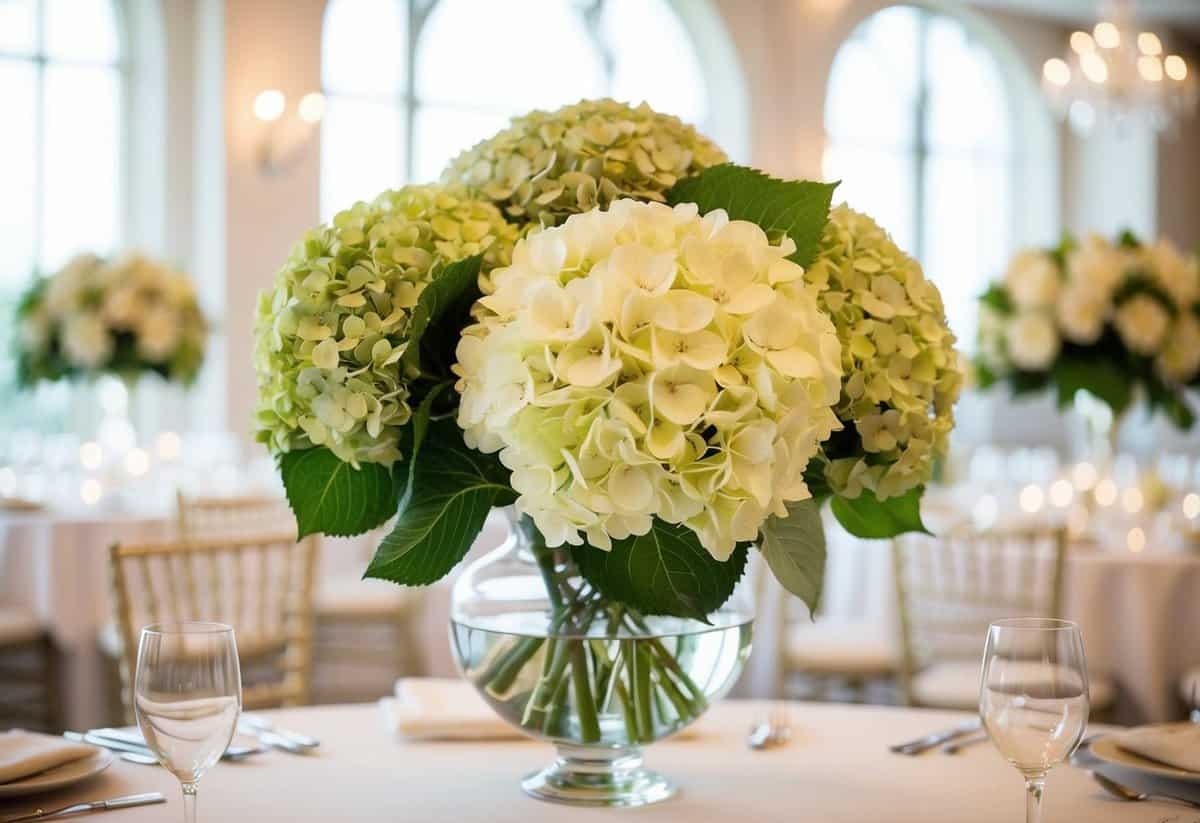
(931, 741)
(95, 806)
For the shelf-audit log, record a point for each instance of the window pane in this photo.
(79, 162)
(361, 147)
(967, 102)
(442, 133)
(81, 30)
(639, 32)
(17, 166)
(362, 47)
(507, 57)
(18, 27)
(878, 182)
(967, 235)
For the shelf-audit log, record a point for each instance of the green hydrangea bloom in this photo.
(902, 372)
(547, 166)
(331, 333)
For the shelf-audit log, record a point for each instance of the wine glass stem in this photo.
(1033, 798)
(189, 803)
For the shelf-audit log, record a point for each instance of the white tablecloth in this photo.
(836, 770)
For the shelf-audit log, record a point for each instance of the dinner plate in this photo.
(60, 777)
(1106, 749)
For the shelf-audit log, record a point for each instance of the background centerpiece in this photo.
(658, 360)
(1105, 324)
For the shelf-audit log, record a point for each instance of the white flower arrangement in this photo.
(125, 317)
(1107, 317)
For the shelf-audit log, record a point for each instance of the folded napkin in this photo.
(1173, 744)
(434, 708)
(24, 754)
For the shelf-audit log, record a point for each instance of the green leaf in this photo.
(441, 312)
(985, 378)
(665, 571)
(869, 517)
(1098, 375)
(1172, 402)
(794, 549)
(330, 496)
(418, 428)
(796, 208)
(998, 299)
(453, 487)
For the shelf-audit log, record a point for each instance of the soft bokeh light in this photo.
(90, 491)
(1107, 35)
(1176, 67)
(1148, 43)
(91, 455)
(1084, 476)
(168, 445)
(1136, 539)
(137, 462)
(1106, 492)
(1061, 493)
(1032, 498)
(1132, 500)
(1082, 42)
(1094, 68)
(1057, 71)
(269, 105)
(312, 107)
(1151, 68)
(1191, 506)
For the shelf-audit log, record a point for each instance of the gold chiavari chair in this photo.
(30, 687)
(951, 587)
(262, 586)
(204, 518)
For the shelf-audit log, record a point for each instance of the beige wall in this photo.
(243, 221)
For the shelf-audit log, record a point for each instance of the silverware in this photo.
(95, 806)
(956, 746)
(932, 741)
(257, 724)
(140, 759)
(1126, 793)
(774, 729)
(118, 740)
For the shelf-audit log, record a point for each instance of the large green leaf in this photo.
(451, 491)
(334, 498)
(440, 314)
(869, 517)
(1098, 375)
(794, 548)
(796, 208)
(665, 571)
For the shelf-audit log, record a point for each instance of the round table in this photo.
(836, 768)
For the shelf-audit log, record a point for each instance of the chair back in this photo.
(950, 588)
(262, 586)
(207, 518)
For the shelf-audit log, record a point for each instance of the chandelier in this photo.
(1121, 74)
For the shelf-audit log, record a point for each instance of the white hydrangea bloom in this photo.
(1033, 341)
(1032, 279)
(1142, 321)
(647, 362)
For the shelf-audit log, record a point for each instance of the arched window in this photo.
(60, 143)
(921, 130)
(410, 83)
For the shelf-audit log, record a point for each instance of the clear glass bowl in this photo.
(597, 679)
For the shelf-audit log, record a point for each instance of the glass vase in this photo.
(599, 680)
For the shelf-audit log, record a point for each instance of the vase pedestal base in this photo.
(596, 776)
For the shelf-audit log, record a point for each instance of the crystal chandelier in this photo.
(1122, 74)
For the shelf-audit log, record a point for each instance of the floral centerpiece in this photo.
(1116, 319)
(125, 317)
(658, 361)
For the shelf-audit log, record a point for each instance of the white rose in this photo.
(157, 334)
(86, 340)
(1179, 275)
(35, 331)
(1098, 263)
(1081, 311)
(1033, 341)
(1142, 323)
(1179, 361)
(1032, 279)
(122, 306)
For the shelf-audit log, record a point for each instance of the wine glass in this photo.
(1033, 697)
(187, 696)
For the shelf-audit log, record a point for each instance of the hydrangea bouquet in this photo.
(660, 359)
(1114, 319)
(124, 317)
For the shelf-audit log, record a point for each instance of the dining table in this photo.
(836, 767)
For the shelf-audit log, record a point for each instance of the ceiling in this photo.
(1183, 15)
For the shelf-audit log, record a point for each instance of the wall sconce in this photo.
(283, 140)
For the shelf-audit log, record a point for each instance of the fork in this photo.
(774, 729)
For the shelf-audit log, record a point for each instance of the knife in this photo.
(124, 741)
(257, 725)
(930, 741)
(95, 806)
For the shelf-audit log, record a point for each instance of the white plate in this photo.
(66, 775)
(1106, 749)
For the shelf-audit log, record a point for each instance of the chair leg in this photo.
(52, 666)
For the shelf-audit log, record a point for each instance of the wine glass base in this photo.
(613, 778)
